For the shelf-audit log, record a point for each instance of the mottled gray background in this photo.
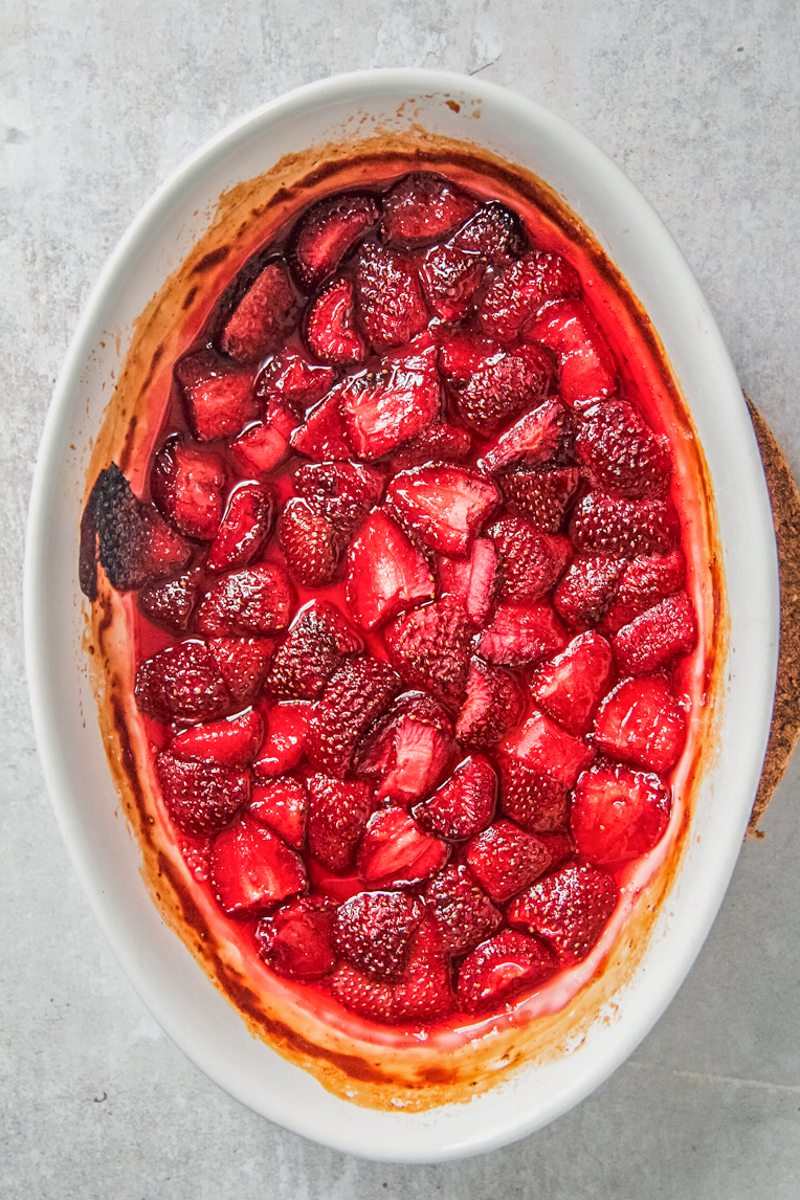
(700, 105)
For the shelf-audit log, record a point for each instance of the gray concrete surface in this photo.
(700, 104)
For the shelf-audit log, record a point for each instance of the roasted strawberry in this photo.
(521, 291)
(243, 663)
(337, 815)
(385, 572)
(182, 683)
(374, 932)
(323, 435)
(505, 858)
(188, 485)
(408, 751)
(452, 272)
(643, 583)
(444, 506)
(218, 395)
(287, 728)
(282, 804)
(244, 529)
(437, 442)
(430, 648)
(390, 302)
(381, 409)
(537, 437)
(260, 448)
(569, 687)
(290, 382)
(317, 641)
(229, 743)
(357, 694)
(170, 604)
(263, 317)
(200, 797)
(464, 353)
(500, 969)
(620, 453)
(641, 723)
(421, 994)
(256, 600)
(534, 800)
(618, 814)
(343, 491)
(586, 589)
(252, 870)
(309, 542)
(504, 386)
(529, 561)
(519, 635)
(542, 494)
(296, 939)
(569, 909)
(608, 525)
(586, 365)
(492, 706)
(331, 331)
(656, 637)
(395, 851)
(462, 912)
(464, 804)
(424, 207)
(471, 580)
(541, 745)
(325, 233)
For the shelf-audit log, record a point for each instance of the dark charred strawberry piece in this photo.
(309, 542)
(618, 814)
(641, 723)
(374, 932)
(188, 485)
(424, 207)
(243, 663)
(570, 686)
(504, 386)
(317, 641)
(261, 320)
(500, 969)
(586, 365)
(256, 600)
(542, 494)
(471, 580)
(200, 797)
(452, 272)
(422, 994)
(395, 851)
(323, 436)
(296, 939)
(586, 589)
(444, 506)
(529, 561)
(537, 437)
(244, 529)
(331, 331)
(384, 408)
(260, 448)
(337, 815)
(656, 637)
(385, 572)
(620, 453)
(325, 233)
(492, 706)
(462, 912)
(532, 799)
(505, 859)
(541, 745)
(390, 302)
(430, 648)
(253, 870)
(569, 909)
(464, 804)
(607, 525)
(291, 382)
(521, 634)
(643, 583)
(287, 728)
(229, 743)
(170, 604)
(218, 396)
(409, 750)
(437, 442)
(182, 683)
(357, 694)
(282, 804)
(521, 291)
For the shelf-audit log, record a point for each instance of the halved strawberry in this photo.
(430, 647)
(656, 637)
(618, 814)
(243, 663)
(182, 683)
(609, 525)
(444, 506)
(374, 932)
(253, 870)
(255, 600)
(542, 494)
(471, 581)
(462, 912)
(323, 435)
(569, 687)
(520, 634)
(529, 561)
(357, 694)
(228, 743)
(423, 207)
(200, 797)
(620, 453)
(331, 331)
(325, 233)
(420, 995)
(259, 449)
(385, 572)
(536, 437)
(282, 804)
(244, 529)
(309, 542)
(504, 386)
(521, 291)
(390, 302)
(492, 706)
(337, 815)
(296, 939)
(188, 485)
(290, 382)
(586, 589)
(643, 583)
(262, 318)
(569, 909)
(534, 800)
(586, 364)
(437, 442)
(464, 804)
(170, 604)
(343, 491)
(641, 723)
(317, 641)
(408, 751)
(218, 395)
(505, 859)
(395, 851)
(287, 728)
(463, 353)
(452, 272)
(499, 969)
(383, 408)
(541, 745)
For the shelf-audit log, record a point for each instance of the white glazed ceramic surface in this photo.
(199, 1019)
